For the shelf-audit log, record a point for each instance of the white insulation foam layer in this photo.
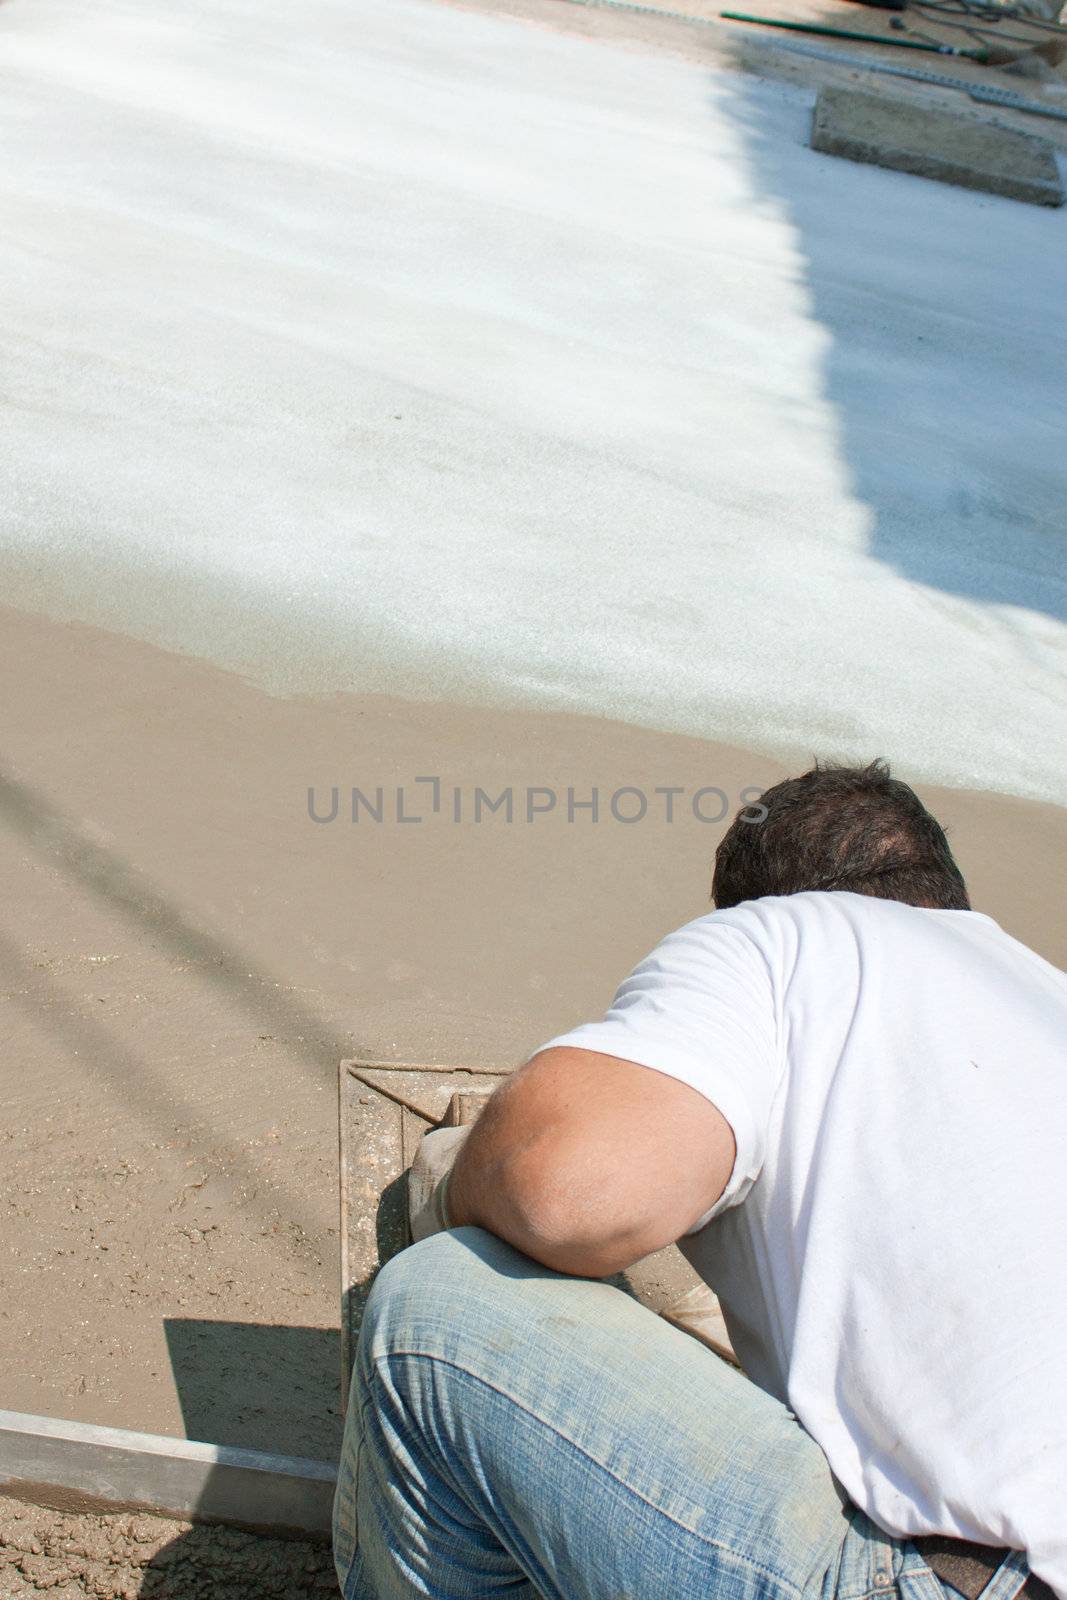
(394, 347)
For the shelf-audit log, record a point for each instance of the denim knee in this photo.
(419, 1294)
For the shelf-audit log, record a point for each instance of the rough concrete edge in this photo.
(82, 1466)
(1034, 191)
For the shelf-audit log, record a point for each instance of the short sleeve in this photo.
(702, 1008)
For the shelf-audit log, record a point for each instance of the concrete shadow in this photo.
(257, 1386)
(31, 815)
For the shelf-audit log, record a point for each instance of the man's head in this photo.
(853, 828)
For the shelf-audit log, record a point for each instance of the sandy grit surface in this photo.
(186, 955)
(116, 1558)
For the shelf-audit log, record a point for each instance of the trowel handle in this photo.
(463, 1108)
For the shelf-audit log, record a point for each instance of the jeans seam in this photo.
(733, 1555)
(352, 1490)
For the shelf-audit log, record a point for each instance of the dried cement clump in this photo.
(119, 1557)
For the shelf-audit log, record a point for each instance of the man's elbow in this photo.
(549, 1213)
(580, 1247)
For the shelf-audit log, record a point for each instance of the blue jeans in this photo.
(513, 1431)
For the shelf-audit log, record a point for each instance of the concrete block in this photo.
(908, 137)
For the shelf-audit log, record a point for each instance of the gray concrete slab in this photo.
(452, 360)
(936, 144)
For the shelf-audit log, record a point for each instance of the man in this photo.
(843, 1092)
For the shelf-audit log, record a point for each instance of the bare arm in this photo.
(586, 1162)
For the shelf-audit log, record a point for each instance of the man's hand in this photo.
(587, 1163)
(427, 1189)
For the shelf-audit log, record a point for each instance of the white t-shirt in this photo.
(891, 1249)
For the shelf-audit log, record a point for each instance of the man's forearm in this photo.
(531, 1200)
(487, 1195)
(587, 1163)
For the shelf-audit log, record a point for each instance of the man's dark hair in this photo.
(854, 828)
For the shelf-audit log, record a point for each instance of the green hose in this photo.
(849, 33)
